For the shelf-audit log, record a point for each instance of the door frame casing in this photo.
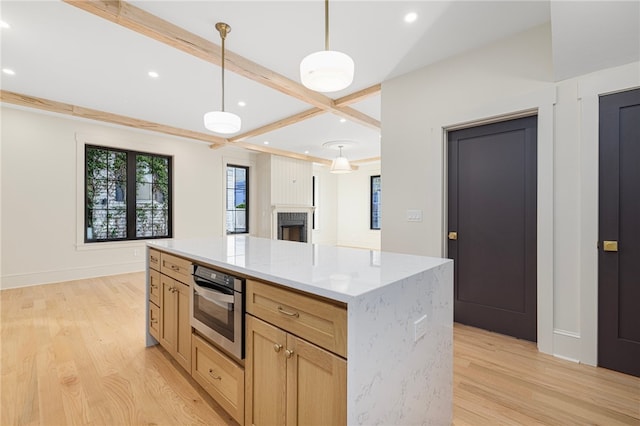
(540, 103)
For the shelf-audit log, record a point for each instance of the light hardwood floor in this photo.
(73, 353)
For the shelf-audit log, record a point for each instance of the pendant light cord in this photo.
(223, 29)
(223, 37)
(326, 24)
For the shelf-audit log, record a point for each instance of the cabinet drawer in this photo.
(219, 376)
(154, 320)
(154, 259)
(154, 286)
(175, 267)
(306, 316)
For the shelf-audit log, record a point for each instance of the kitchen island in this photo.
(399, 317)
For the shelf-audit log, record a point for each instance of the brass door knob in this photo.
(277, 347)
(288, 353)
(453, 235)
(610, 245)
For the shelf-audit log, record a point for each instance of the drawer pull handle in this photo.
(213, 376)
(291, 314)
(154, 286)
(153, 321)
(288, 353)
(175, 268)
(277, 347)
(154, 259)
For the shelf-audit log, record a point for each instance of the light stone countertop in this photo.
(338, 273)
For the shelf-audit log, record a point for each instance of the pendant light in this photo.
(340, 164)
(222, 121)
(326, 70)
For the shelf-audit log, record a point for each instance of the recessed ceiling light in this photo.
(153, 74)
(242, 103)
(410, 17)
(266, 142)
(4, 24)
(306, 152)
(343, 120)
(8, 71)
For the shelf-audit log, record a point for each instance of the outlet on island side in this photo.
(419, 328)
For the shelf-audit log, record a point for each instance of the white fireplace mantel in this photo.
(290, 208)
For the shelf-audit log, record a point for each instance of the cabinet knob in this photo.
(277, 347)
(288, 353)
(213, 376)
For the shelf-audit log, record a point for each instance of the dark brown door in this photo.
(492, 226)
(619, 222)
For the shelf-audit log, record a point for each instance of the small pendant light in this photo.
(327, 70)
(340, 164)
(222, 121)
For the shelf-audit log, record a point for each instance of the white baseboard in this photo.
(566, 345)
(56, 276)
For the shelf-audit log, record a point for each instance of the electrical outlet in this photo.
(414, 215)
(419, 328)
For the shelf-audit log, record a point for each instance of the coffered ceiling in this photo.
(91, 59)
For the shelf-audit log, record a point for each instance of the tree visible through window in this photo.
(375, 202)
(128, 195)
(237, 199)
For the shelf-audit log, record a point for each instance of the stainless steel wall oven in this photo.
(217, 308)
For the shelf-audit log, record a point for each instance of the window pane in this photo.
(110, 178)
(106, 181)
(152, 196)
(375, 202)
(237, 200)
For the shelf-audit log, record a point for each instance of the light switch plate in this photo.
(414, 215)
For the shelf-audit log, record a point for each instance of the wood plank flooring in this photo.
(73, 353)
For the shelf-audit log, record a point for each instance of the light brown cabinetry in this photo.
(290, 378)
(219, 376)
(175, 325)
(169, 287)
(154, 293)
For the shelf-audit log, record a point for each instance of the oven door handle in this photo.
(213, 296)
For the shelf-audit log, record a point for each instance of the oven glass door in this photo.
(214, 306)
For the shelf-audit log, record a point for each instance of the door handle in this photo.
(453, 235)
(610, 245)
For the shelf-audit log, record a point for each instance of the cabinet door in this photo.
(168, 311)
(265, 374)
(316, 385)
(154, 286)
(183, 326)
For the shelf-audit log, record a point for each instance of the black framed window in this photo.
(375, 202)
(237, 217)
(127, 195)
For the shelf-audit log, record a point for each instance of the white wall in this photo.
(42, 195)
(343, 207)
(354, 198)
(326, 231)
(504, 78)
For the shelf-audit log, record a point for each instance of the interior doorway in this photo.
(492, 220)
(619, 233)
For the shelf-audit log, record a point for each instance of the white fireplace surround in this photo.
(284, 208)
